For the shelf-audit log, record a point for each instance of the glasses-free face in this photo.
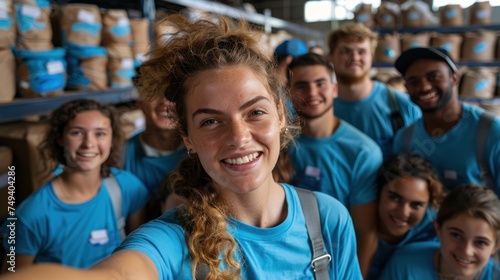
(87, 141)
(402, 205)
(430, 84)
(352, 60)
(234, 127)
(467, 244)
(159, 114)
(312, 91)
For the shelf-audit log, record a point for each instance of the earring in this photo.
(190, 152)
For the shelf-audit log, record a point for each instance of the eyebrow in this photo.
(218, 112)
(400, 196)
(480, 236)
(307, 82)
(82, 128)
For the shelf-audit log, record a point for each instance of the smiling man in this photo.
(460, 140)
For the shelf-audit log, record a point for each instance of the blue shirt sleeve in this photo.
(365, 174)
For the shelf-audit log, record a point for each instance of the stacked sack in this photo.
(7, 41)
(140, 36)
(41, 68)
(117, 39)
(81, 28)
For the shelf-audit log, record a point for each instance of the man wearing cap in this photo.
(460, 140)
(368, 105)
(286, 51)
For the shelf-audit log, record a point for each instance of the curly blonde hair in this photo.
(192, 49)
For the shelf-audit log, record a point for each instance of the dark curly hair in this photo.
(53, 153)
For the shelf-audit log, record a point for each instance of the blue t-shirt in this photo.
(423, 231)
(372, 115)
(453, 154)
(343, 165)
(77, 235)
(280, 252)
(416, 261)
(150, 170)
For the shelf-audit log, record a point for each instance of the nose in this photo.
(239, 133)
(88, 140)
(404, 210)
(468, 248)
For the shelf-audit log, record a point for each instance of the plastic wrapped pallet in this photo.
(87, 68)
(41, 73)
(450, 42)
(81, 24)
(8, 75)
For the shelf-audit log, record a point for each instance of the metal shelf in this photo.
(22, 108)
(492, 101)
(236, 13)
(439, 29)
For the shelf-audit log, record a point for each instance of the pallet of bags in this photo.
(34, 30)
(140, 39)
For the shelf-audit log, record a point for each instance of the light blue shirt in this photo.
(343, 165)
(280, 252)
(372, 114)
(77, 235)
(453, 154)
(416, 261)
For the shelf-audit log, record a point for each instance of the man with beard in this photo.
(152, 154)
(331, 155)
(368, 105)
(461, 141)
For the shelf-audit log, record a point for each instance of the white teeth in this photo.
(428, 96)
(87, 154)
(399, 221)
(463, 260)
(242, 160)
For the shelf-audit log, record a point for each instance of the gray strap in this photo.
(115, 194)
(320, 260)
(483, 129)
(407, 138)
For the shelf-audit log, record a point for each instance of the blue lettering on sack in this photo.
(362, 18)
(451, 13)
(120, 30)
(92, 29)
(413, 16)
(447, 47)
(389, 52)
(481, 47)
(415, 45)
(386, 18)
(5, 23)
(25, 24)
(481, 85)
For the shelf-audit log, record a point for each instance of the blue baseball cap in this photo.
(294, 47)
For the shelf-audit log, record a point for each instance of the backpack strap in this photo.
(407, 138)
(483, 129)
(397, 120)
(115, 194)
(320, 259)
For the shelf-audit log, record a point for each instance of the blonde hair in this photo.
(192, 49)
(352, 31)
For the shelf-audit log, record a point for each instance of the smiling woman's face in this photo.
(402, 205)
(234, 127)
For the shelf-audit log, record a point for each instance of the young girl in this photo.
(71, 220)
(409, 196)
(468, 225)
(237, 222)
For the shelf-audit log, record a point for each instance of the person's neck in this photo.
(167, 140)
(444, 274)
(389, 239)
(77, 187)
(355, 91)
(321, 127)
(441, 121)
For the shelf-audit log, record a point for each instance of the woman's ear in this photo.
(189, 145)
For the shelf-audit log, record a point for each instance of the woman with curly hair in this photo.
(409, 196)
(71, 219)
(237, 221)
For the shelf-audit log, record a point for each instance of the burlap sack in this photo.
(418, 40)
(95, 70)
(388, 48)
(450, 42)
(140, 51)
(383, 74)
(451, 15)
(478, 82)
(116, 27)
(364, 15)
(81, 24)
(7, 29)
(121, 65)
(34, 31)
(140, 31)
(479, 46)
(480, 13)
(385, 18)
(412, 17)
(492, 108)
(8, 75)
(7, 6)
